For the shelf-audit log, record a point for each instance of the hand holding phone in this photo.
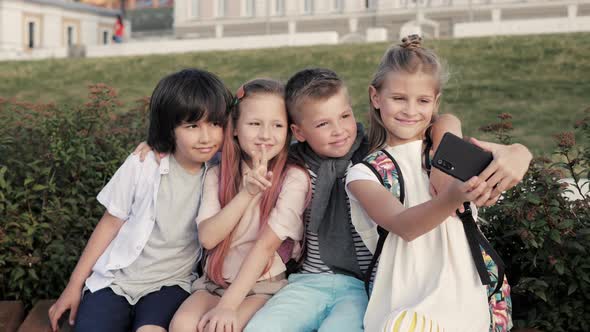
(460, 159)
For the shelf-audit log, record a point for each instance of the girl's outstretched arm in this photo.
(410, 223)
(226, 310)
(105, 231)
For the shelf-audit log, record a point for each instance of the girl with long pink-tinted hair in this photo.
(252, 203)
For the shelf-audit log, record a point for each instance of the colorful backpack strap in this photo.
(478, 244)
(386, 169)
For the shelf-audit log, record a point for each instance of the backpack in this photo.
(489, 264)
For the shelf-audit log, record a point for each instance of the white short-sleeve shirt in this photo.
(131, 196)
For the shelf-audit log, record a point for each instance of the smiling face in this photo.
(196, 143)
(262, 123)
(327, 125)
(406, 103)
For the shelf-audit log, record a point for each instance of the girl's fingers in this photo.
(255, 159)
(495, 179)
(501, 187)
(475, 193)
(489, 171)
(202, 323)
(212, 326)
(471, 184)
(432, 190)
(461, 209)
(256, 182)
(483, 198)
(261, 180)
(264, 161)
(492, 200)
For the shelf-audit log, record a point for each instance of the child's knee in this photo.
(184, 321)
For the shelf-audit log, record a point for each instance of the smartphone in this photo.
(460, 159)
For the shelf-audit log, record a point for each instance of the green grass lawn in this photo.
(543, 81)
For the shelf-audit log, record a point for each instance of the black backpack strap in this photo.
(427, 147)
(382, 236)
(477, 242)
(380, 230)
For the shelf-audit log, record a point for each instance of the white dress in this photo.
(431, 279)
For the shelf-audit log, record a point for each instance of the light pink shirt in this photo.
(285, 219)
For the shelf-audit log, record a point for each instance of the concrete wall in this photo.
(199, 45)
(522, 27)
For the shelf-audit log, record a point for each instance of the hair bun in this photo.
(411, 42)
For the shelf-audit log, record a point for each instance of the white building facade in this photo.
(51, 28)
(355, 20)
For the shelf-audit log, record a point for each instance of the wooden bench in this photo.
(12, 314)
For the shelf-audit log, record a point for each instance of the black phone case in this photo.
(460, 159)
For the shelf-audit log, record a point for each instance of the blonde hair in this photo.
(407, 57)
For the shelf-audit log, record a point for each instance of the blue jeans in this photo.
(314, 302)
(104, 310)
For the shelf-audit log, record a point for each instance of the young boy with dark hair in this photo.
(137, 267)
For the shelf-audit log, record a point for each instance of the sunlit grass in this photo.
(543, 81)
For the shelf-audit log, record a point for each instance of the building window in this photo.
(279, 7)
(337, 5)
(370, 4)
(221, 8)
(70, 35)
(105, 37)
(307, 6)
(31, 29)
(195, 4)
(250, 8)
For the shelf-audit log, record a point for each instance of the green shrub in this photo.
(53, 162)
(545, 238)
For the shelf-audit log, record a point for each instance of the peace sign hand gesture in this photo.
(258, 178)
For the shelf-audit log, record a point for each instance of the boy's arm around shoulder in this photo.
(118, 194)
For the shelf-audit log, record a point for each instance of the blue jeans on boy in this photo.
(104, 310)
(314, 302)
